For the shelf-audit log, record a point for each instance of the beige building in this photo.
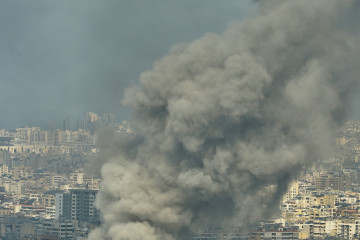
(292, 192)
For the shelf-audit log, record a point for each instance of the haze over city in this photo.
(64, 58)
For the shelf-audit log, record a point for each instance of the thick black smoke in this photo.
(221, 118)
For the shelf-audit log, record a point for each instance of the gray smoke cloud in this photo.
(222, 117)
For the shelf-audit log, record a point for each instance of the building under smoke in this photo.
(221, 118)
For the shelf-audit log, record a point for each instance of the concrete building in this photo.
(63, 205)
(221, 234)
(78, 204)
(329, 181)
(276, 234)
(49, 197)
(292, 192)
(61, 229)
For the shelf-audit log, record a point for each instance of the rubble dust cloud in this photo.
(220, 118)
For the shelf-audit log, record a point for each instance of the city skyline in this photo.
(71, 123)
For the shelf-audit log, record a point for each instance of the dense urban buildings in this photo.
(45, 193)
(323, 203)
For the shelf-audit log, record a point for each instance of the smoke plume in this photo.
(222, 117)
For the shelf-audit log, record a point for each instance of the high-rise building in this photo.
(52, 126)
(66, 124)
(330, 181)
(81, 124)
(91, 117)
(52, 132)
(109, 119)
(78, 204)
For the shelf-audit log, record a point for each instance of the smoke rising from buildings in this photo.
(222, 117)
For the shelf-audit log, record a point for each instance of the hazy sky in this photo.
(63, 58)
